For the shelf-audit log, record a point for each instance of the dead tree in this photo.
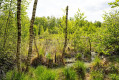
(65, 43)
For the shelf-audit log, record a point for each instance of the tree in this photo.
(111, 39)
(65, 43)
(19, 33)
(79, 18)
(114, 4)
(31, 35)
(97, 23)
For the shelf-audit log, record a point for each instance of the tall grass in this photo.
(80, 69)
(14, 75)
(40, 73)
(69, 74)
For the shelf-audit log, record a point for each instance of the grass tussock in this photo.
(80, 69)
(40, 73)
(69, 74)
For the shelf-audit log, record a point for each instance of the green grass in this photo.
(80, 69)
(40, 73)
(69, 74)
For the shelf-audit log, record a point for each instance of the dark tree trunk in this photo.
(19, 34)
(90, 45)
(65, 43)
(31, 35)
(55, 58)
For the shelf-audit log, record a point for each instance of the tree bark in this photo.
(31, 35)
(90, 45)
(65, 43)
(19, 34)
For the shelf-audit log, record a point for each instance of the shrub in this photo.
(42, 73)
(69, 74)
(81, 69)
(47, 75)
(113, 69)
(79, 56)
(114, 77)
(97, 75)
(14, 75)
(87, 55)
(48, 55)
(39, 70)
(96, 62)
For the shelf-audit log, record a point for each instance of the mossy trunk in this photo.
(19, 34)
(31, 35)
(65, 43)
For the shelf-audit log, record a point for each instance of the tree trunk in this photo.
(90, 45)
(19, 34)
(65, 44)
(31, 35)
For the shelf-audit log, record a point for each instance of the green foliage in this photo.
(69, 74)
(114, 4)
(35, 29)
(79, 19)
(41, 51)
(104, 38)
(96, 62)
(97, 23)
(112, 33)
(14, 75)
(40, 73)
(46, 34)
(97, 75)
(113, 69)
(41, 30)
(48, 56)
(80, 69)
(114, 76)
(78, 56)
(47, 75)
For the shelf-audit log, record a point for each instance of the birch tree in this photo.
(31, 34)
